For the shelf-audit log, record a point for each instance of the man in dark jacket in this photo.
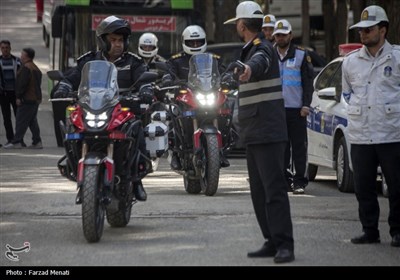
(28, 98)
(112, 39)
(297, 75)
(9, 65)
(263, 128)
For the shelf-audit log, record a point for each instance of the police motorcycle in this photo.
(201, 119)
(102, 148)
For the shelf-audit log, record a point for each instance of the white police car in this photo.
(327, 126)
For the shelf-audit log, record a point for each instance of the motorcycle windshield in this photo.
(203, 72)
(99, 86)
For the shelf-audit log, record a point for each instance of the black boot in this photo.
(139, 191)
(224, 161)
(175, 162)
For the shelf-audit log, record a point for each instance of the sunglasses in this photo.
(366, 30)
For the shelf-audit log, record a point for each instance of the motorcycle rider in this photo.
(148, 50)
(113, 39)
(193, 42)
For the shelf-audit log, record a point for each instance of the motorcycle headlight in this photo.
(206, 99)
(96, 121)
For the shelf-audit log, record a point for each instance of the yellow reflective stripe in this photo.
(260, 84)
(260, 98)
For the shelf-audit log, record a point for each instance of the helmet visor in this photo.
(195, 43)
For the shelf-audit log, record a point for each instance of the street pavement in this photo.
(172, 228)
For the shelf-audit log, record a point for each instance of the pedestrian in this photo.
(28, 98)
(297, 85)
(263, 129)
(268, 27)
(371, 86)
(113, 35)
(39, 10)
(9, 64)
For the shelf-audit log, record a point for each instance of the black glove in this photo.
(146, 94)
(62, 90)
(166, 81)
(229, 81)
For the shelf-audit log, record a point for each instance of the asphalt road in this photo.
(172, 228)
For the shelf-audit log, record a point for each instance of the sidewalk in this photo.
(18, 25)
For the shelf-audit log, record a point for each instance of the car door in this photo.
(321, 123)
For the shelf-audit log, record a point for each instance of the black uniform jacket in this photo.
(130, 66)
(262, 116)
(178, 66)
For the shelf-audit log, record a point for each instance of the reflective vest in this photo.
(291, 80)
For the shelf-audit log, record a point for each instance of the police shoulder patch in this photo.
(175, 56)
(256, 41)
(308, 59)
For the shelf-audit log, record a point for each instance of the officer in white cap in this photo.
(268, 27)
(297, 75)
(371, 86)
(263, 129)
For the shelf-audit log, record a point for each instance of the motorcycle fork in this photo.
(108, 177)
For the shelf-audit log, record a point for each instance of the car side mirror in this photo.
(327, 93)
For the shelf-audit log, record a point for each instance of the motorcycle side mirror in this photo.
(55, 75)
(145, 78)
(162, 66)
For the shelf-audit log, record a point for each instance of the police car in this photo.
(328, 143)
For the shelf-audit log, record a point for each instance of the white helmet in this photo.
(148, 45)
(194, 40)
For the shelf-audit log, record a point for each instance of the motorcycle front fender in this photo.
(97, 159)
(208, 129)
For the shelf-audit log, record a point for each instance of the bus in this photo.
(69, 25)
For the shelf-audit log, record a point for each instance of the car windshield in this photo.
(203, 72)
(99, 86)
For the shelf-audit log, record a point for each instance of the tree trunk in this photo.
(224, 10)
(329, 25)
(209, 21)
(305, 14)
(341, 26)
(356, 6)
(392, 8)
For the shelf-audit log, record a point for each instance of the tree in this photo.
(224, 10)
(305, 13)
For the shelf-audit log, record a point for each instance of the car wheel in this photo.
(344, 175)
(312, 172)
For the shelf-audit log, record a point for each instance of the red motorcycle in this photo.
(202, 119)
(102, 148)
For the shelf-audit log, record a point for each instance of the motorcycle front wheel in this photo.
(92, 209)
(211, 165)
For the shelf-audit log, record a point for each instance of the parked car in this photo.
(328, 143)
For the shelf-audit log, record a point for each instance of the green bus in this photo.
(69, 26)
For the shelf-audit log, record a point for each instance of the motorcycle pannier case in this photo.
(156, 135)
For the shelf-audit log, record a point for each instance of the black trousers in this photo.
(8, 100)
(27, 117)
(269, 193)
(296, 148)
(366, 159)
